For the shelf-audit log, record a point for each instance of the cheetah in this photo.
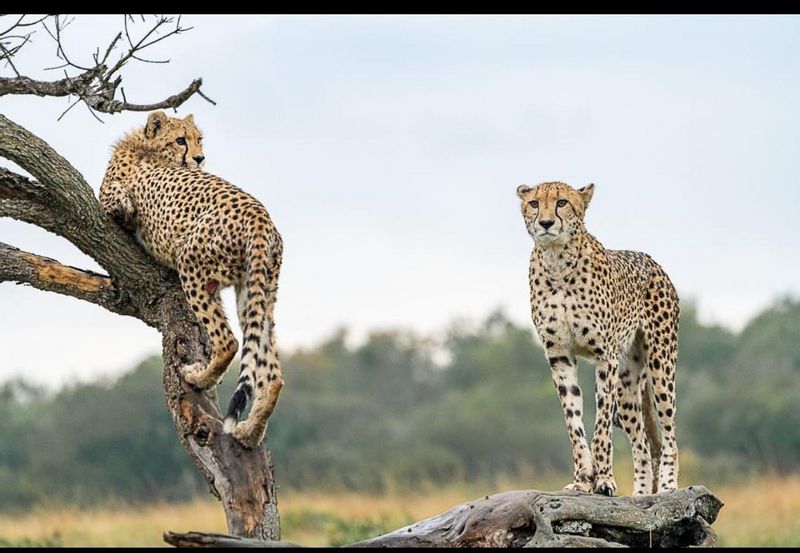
(214, 235)
(618, 310)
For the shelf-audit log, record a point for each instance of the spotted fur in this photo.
(619, 310)
(214, 235)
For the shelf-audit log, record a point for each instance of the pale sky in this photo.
(388, 150)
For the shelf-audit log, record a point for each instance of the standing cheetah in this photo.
(617, 309)
(215, 235)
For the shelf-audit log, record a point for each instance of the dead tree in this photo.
(59, 200)
(531, 518)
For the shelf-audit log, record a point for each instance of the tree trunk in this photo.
(531, 518)
(241, 478)
(60, 200)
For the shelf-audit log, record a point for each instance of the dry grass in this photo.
(766, 512)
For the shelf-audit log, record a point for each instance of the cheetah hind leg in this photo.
(662, 367)
(661, 341)
(207, 307)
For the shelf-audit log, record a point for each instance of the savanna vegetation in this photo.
(760, 512)
(403, 412)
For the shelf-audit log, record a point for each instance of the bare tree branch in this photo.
(61, 201)
(110, 47)
(49, 275)
(8, 37)
(115, 106)
(20, 198)
(95, 86)
(56, 176)
(141, 45)
(59, 26)
(14, 186)
(67, 86)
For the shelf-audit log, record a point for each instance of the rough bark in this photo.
(557, 519)
(61, 87)
(58, 199)
(81, 86)
(533, 518)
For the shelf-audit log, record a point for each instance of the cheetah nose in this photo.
(546, 224)
(199, 159)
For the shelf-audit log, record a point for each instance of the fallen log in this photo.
(531, 518)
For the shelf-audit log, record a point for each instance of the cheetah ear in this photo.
(586, 194)
(523, 189)
(155, 121)
(189, 118)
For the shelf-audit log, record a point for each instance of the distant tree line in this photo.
(404, 410)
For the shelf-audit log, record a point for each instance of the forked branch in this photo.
(95, 84)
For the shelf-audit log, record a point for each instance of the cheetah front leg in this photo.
(115, 201)
(565, 378)
(202, 294)
(602, 451)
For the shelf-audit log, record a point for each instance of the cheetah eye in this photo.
(534, 204)
(561, 203)
(181, 141)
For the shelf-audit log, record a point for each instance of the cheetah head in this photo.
(553, 211)
(176, 142)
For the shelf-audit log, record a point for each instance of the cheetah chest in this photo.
(565, 319)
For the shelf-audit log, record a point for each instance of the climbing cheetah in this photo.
(214, 235)
(619, 310)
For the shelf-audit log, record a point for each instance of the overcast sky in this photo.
(388, 150)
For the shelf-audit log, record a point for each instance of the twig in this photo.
(96, 86)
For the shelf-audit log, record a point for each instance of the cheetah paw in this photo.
(606, 486)
(193, 374)
(667, 488)
(585, 487)
(244, 432)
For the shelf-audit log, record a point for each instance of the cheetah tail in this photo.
(252, 300)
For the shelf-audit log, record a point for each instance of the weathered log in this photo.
(532, 518)
(200, 539)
